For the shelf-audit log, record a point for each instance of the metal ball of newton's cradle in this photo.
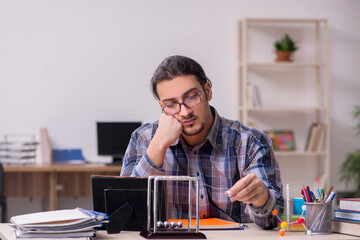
(159, 224)
(180, 224)
(173, 224)
(166, 224)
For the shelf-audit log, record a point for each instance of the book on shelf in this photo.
(253, 95)
(321, 137)
(249, 94)
(312, 137)
(67, 223)
(315, 138)
(346, 227)
(347, 215)
(351, 204)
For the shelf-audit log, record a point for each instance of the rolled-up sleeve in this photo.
(136, 162)
(261, 161)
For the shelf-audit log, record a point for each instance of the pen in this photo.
(322, 193)
(328, 192)
(329, 197)
(306, 194)
(288, 203)
(303, 194)
(309, 193)
(332, 198)
(318, 192)
(313, 198)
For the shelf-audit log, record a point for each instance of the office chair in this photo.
(2, 197)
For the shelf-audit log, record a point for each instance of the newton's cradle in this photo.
(165, 229)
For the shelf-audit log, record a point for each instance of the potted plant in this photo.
(350, 169)
(284, 48)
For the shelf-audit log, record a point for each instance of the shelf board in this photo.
(284, 20)
(299, 153)
(283, 64)
(282, 109)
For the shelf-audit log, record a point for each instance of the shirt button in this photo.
(202, 196)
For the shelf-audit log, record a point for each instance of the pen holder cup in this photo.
(318, 217)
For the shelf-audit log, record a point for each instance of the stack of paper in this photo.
(18, 149)
(72, 223)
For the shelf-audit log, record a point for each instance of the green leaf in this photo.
(356, 116)
(285, 44)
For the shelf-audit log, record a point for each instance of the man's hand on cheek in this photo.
(169, 129)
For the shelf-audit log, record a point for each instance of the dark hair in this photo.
(175, 66)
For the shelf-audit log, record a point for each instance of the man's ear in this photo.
(208, 91)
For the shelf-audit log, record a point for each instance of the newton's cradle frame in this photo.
(156, 232)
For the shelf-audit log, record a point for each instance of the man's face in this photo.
(194, 119)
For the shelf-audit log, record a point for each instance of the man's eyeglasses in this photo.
(188, 102)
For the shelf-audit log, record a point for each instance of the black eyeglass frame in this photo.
(182, 103)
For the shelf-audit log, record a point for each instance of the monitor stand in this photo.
(116, 161)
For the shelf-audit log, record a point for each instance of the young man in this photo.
(239, 175)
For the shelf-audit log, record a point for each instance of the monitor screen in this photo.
(113, 138)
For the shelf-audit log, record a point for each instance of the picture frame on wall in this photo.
(283, 140)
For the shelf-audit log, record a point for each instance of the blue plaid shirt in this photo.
(230, 152)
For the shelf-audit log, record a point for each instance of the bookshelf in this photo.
(293, 95)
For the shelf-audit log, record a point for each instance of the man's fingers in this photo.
(241, 184)
(246, 193)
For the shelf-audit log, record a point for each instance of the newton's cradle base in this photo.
(182, 234)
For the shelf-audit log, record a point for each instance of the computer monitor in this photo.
(113, 138)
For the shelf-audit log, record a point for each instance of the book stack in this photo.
(18, 150)
(253, 95)
(315, 138)
(347, 217)
(72, 223)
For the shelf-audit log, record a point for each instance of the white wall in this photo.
(66, 64)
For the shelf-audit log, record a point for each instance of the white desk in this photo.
(252, 232)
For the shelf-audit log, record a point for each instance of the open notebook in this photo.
(210, 223)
